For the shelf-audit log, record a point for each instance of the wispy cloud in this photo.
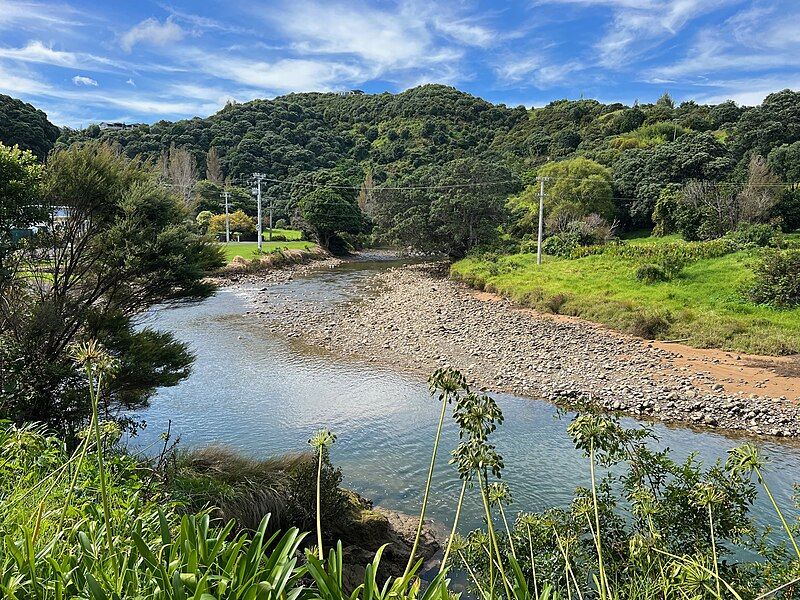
(152, 31)
(36, 52)
(639, 26)
(20, 14)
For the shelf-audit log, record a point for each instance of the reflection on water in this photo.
(253, 390)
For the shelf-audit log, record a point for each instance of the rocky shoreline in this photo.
(415, 318)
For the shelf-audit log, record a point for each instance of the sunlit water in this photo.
(257, 392)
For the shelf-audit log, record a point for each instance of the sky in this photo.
(84, 61)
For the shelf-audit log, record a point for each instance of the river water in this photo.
(262, 394)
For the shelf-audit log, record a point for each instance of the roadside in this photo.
(415, 319)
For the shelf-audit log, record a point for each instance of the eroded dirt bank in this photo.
(413, 318)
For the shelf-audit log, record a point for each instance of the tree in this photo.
(120, 244)
(239, 222)
(20, 202)
(761, 193)
(640, 174)
(579, 186)
(785, 162)
(327, 214)
(208, 196)
(179, 169)
(213, 168)
(449, 210)
(203, 220)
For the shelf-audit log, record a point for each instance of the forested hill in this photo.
(305, 132)
(319, 136)
(26, 126)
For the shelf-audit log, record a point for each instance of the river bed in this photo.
(264, 394)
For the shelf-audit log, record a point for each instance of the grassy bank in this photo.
(248, 250)
(704, 305)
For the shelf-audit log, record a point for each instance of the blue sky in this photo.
(84, 62)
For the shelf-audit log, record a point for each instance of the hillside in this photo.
(307, 137)
(26, 126)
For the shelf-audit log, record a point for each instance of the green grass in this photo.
(703, 305)
(248, 249)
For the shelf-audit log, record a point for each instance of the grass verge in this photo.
(703, 305)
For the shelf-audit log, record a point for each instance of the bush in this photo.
(281, 224)
(556, 303)
(650, 273)
(649, 325)
(777, 279)
(557, 245)
(753, 235)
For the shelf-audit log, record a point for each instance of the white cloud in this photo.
(282, 75)
(467, 32)
(754, 40)
(131, 82)
(21, 83)
(17, 14)
(36, 52)
(152, 31)
(536, 69)
(83, 80)
(382, 40)
(638, 26)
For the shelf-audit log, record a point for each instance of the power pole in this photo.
(270, 217)
(259, 178)
(541, 220)
(225, 195)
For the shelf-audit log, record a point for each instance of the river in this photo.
(262, 394)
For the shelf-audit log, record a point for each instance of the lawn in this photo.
(703, 306)
(248, 249)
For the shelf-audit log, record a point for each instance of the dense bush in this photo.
(754, 235)
(777, 279)
(650, 273)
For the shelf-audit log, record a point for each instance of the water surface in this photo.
(256, 391)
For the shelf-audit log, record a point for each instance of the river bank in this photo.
(413, 318)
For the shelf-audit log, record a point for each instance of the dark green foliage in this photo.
(127, 244)
(303, 139)
(774, 123)
(787, 210)
(777, 279)
(465, 211)
(640, 174)
(327, 213)
(753, 235)
(23, 125)
(651, 273)
(20, 200)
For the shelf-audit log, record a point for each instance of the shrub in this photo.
(559, 245)
(777, 279)
(753, 235)
(281, 224)
(650, 273)
(649, 325)
(556, 303)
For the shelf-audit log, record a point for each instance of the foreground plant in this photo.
(321, 442)
(447, 383)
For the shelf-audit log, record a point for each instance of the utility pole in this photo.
(259, 178)
(271, 199)
(225, 195)
(541, 220)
